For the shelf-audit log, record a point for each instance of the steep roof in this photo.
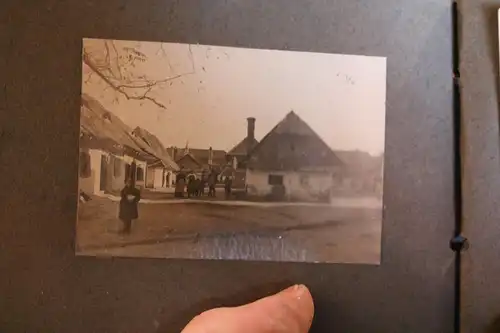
(242, 147)
(184, 161)
(102, 129)
(90, 141)
(200, 156)
(156, 146)
(292, 145)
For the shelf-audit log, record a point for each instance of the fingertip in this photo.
(301, 298)
(292, 309)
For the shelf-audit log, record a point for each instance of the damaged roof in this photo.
(156, 146)
(101, 129)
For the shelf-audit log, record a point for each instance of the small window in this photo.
(275, 180)
(85, 170)
(304, 180)
(140, 174)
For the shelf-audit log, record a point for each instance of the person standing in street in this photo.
(228, 184)
(212, 180)
(180, 183)
(130, 197)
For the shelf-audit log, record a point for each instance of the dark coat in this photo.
(212, 179)
(228, 184)
(193, 185)
(180, 183)
(128, 209)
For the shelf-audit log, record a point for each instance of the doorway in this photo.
(104, 173)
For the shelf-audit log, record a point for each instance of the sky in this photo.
(341, 97)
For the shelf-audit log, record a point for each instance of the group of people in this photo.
(130, 195)
(195, 187)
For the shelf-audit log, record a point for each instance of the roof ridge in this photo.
(119, 131)
(304, 131)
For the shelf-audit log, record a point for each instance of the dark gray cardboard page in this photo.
(46, 288)
(481, 165)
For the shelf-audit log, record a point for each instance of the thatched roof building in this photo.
(157, 147)
(292, 146)
(101, 129)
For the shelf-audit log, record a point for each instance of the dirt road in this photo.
(207, 231)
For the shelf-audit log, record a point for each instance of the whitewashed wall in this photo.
(87, 184)
(91, 184)
(172, 180)
(317, 184)
(158, 176)
(114, 182)
(150, 177)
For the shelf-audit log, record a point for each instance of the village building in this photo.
(109, 154)
(292, 163)
(362, 175)
(239, 153)
(162, 173)
(198, 161)
(238, 156)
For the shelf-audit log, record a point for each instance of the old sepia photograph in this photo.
(212, 152)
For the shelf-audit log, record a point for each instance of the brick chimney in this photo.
(251, 128)
(250, 134)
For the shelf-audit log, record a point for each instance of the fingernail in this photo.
(296, 291)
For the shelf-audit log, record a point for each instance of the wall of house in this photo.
(115, 174)
(300, 186)
(158, 177)
(369, 184)
(172, 180)
(143, 166)
(115, 178)
(150, 177)
(91, 184)
(86, 184)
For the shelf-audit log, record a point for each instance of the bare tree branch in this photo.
(107, 53)
(122, 80)
(88, 61)
(191, 58)
(164, 55)
(153, 83)
(117, 56)
(91, 65)
(89, 77)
